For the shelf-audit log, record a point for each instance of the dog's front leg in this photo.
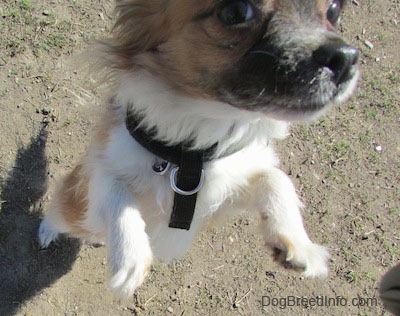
(282, 224)
(129, 252)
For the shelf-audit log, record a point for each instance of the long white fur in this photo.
(129, 205)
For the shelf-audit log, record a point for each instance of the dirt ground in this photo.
(345, 166)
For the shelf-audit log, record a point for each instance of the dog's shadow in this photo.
(25, 269)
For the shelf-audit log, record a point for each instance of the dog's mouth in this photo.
(295, 84)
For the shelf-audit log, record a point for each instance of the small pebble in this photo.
(46, 111)
(368, 44)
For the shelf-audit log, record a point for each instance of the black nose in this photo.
(338, 57)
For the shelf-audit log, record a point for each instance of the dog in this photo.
(203, 89)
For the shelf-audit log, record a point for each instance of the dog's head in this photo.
(278, 57)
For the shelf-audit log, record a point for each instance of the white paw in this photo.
(46, 234)
(130, 276)
(314, 258)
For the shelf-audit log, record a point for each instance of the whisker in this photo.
(263, 52)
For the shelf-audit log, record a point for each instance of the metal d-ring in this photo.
(172, 179)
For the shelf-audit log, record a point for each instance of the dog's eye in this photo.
(235, 12)
(334, 10)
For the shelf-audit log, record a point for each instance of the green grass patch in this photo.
(25, 5)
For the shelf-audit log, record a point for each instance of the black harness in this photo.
(186, 177)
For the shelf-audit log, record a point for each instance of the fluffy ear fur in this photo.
(141, 25)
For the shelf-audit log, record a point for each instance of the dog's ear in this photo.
(141, 25)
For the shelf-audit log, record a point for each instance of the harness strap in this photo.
(188, 179)
(189, 171)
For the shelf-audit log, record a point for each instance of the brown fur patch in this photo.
(109, 119)
(73, 200)
(142, 25)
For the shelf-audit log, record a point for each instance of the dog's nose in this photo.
(338, 57)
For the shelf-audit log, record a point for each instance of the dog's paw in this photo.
(46, 234)
(302, 253)
(129, 277)
(314, 258)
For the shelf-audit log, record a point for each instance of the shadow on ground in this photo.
(25, 269)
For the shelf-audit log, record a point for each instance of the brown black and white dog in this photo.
(202, 90)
